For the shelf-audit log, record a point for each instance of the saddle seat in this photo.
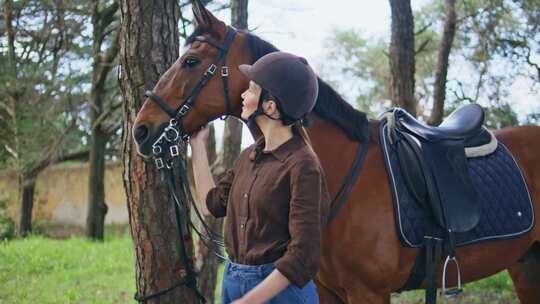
(464, 123)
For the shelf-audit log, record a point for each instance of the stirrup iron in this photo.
(451, 292)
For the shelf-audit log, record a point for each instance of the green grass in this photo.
(42, 270)
(493, 290)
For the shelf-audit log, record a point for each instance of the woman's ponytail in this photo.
(299, 128)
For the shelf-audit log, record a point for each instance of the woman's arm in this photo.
(201, 169)
(267, 289)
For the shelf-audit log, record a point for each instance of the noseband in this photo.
(173, 136)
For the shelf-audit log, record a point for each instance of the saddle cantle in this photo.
(452, 185)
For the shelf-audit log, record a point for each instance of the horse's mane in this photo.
(330, 105)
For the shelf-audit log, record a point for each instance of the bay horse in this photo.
(362, 259)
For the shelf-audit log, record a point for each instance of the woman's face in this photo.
(250, 100)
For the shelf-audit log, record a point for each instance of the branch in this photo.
(79, 155)
(472, 15)
(7, 108)
(423, 29)
(54, 153)
(113, 128)
(11, 151)
(106, 114)
(107, 14)
(111, 53)
(423, 46)
(529, 61)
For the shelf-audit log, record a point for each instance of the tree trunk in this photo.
(149, 45)
(27, 186)
(232, 139)
(239, 14)
(97, 208)
(402, 56)
(439, 94)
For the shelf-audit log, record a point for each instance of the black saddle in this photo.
(435, 167)
(429, 170)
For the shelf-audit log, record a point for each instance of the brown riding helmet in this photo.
(287, 77)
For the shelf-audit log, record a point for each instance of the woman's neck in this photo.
(275, 134)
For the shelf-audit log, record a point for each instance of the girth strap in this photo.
(343, 193)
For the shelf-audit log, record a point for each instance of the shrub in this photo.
(7, 225)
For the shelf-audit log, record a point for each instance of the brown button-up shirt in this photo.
(276, 205)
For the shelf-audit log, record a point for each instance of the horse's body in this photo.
(363, 260)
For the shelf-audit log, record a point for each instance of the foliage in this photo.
(7, 225)
(41, 82)
(495, 44)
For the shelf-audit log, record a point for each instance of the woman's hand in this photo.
(199, 137)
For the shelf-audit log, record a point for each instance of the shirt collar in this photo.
(283, 150)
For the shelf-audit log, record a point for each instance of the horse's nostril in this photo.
(141, 134)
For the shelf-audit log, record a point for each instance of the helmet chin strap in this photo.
(260, 110)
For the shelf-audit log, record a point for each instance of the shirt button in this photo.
(245, 195)
(242, 226)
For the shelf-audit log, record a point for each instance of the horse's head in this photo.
(196, 88)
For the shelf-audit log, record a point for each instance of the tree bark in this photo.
(402, 56)
(27, 186)
(149, 45)
(97, 208)
(232, 139)
(441, 73)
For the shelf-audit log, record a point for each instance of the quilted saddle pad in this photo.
(506, 207)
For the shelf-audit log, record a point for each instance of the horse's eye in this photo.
(190, 62)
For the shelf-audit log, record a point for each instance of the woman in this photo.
(275, 196)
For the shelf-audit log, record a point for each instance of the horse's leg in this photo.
(327, 296)
(526, 276)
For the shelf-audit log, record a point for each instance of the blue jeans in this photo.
(238, 279)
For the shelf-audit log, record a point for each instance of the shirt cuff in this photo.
(213, 203)
(293, 269)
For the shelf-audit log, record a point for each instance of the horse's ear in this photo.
(204, 18)
(200, 13)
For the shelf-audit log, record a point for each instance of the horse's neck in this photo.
(335, 150)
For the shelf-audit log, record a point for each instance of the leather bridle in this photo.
(178, 114)
(166, 153)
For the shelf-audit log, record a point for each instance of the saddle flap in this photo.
(450, 174)
(408, 153)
